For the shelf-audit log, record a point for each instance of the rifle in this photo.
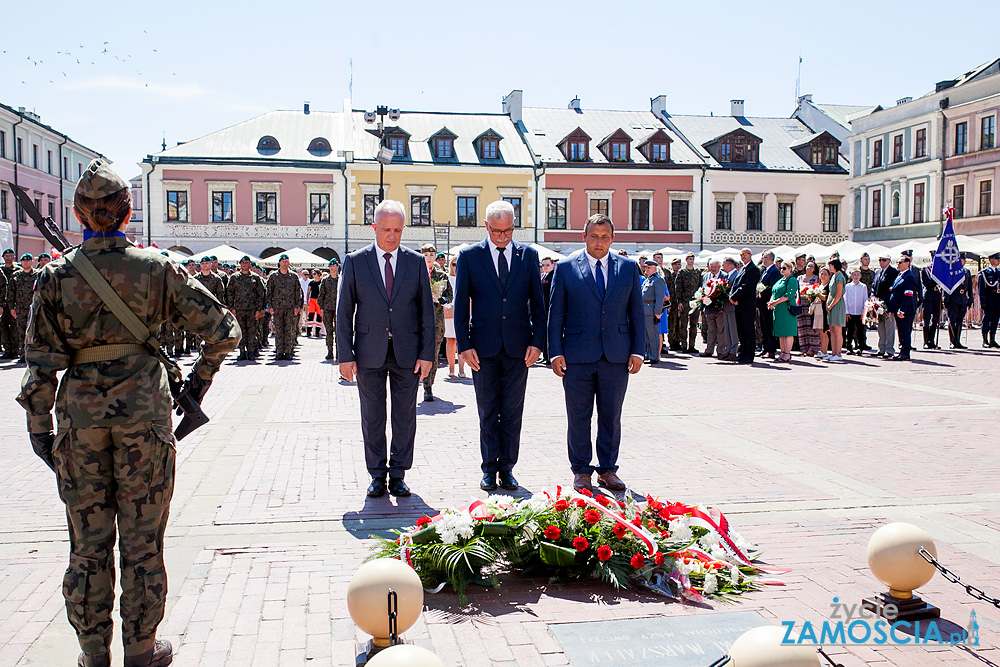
(187, 395)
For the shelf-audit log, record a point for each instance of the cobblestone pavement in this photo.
(269, 518)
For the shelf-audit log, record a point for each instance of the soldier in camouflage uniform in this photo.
(675, 336)
(3, 305)
(217, 270)
(688, 282)
(437, 277)
(245, 297)
(23, 287)
(328, 304)
(168, 333)
(185, 340)
(114, 452)
(7, 329)
(211, 280)
(264, 323)
(284, 296)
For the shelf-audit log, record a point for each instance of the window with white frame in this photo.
(987, 132)
(222, 196)
(267, 203)
(640, 210)
(785, 213)
(177, 196)
(986, 197)
(319, 208)
(831, 217)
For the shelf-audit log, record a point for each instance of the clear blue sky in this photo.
(190, 68)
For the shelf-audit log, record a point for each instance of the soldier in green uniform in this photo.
(211, 280)
(675, 339)
(284, 296)
(7, 328)
(688, 282)
(328, 304)
(3, 306)
(264, 323)
(441, 293)
(114, 452)
(245, 297)
(217, 270)
(23, 287)
(187, 340)
(43, 259)
(168, 333)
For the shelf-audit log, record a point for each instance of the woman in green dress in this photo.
(785, 293)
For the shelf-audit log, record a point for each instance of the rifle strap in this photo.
(120, 309)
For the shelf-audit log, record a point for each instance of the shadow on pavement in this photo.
(438, 406)
(379, 515)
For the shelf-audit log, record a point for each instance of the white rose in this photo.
(711, 584)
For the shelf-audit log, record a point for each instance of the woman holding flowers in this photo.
(818, 309)
(808, 337)
(836, 309)
(784, 293)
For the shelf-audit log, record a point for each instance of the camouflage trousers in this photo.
(112, 475)
(438, 337)
(285, 327)
(8, 334)
(330, 322)
(675, 337)
(264, 329)
(248, 325)
(169, 337)
(20, 330)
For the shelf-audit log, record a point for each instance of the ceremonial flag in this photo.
(948, 269)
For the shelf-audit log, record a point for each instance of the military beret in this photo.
(334, 261)
(162, 252)
(690, 254)
(190, 261)
(99, 181)
(675, 260)
(995, 255)
(428, 247)
(800, 255)
(440, 255)
(7, 250)
(26, 256)
(650, 262)
(213, 258)
(45, 255)
(244, 258)
(206, 258)
(283, 256)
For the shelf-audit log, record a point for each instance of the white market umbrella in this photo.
(785, 252)
(544, 252)
(298, 258)
(854, 255)
(459, 248)
(668, 250)
(227, 254)
(844, 247)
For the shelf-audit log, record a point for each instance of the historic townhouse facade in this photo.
(269, 184)
(911, 160)
(627, 164)
(768, 181)
(445, 168)
(833, 118)
(46, 163)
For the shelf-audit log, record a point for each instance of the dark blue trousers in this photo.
(904, 328)
(403, 384)
(603, 383)
(500, 383)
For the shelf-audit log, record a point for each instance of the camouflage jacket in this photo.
(245, 292)
(328, 293)
(67, 315)
(3, 289)
(213, 284)
(670, 278)
(8, 293)
(447, 294)
(688, 282)
(224, 277)
(23, 287)
(284, 290)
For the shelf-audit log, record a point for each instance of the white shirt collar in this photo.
(593, 260)
(381, 252)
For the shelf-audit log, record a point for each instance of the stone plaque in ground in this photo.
(676, 641)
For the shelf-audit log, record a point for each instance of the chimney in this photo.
(512, 105)
(903, 100)
(658, 105)
(944, 85)
(736, 108)
(574, 104)
(305, 108)
(805, 98)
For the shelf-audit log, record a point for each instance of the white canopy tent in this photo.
(544, 252)
(172, 255)
(227, 254)
(854, 255)
(298, 258)
(668, 251)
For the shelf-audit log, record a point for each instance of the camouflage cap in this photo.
(99, 181)
(26, 257)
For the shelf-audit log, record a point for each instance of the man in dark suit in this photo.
(902, 305)
(768, 277)
(596, 339)
(932, 307)
(958, 304)
(548, 266)
(385, 329)
(885, 276)
(743, 295)
(989, 300)
(498, 284)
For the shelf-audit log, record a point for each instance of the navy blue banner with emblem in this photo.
(947, 270)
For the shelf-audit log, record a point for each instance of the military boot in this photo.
(94, 660)
(161, 655)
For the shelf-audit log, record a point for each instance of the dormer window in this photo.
(616, 146)
(824, 156)
(319, 147)
(575, 146)
(398, 146)
(619, 151)
(656, 147)
(820, 151)
(577, 150)
(268, 145)
(488, 145)
(444, 148)
(737, 147)
(488, 149)
(659, 153)
(396, 139)
(443, 144)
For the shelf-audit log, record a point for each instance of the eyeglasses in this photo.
(500, 232)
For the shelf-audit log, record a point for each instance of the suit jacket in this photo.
(582, 327)
(654, 289)
(962, 295)
(768, 277)
(490, 317)
(365, 315)
(932, 291)
(989, 286)
(903, 295)
(744, 287)
(884, 278)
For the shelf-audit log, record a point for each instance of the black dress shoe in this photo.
(397, 487)
(489, 482)
(994, 344)
(507, 480)
(959, 346)
(377, 488)
(900, 357)
(428, 395)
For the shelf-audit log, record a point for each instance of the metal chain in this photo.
(974, 591)
(828, 658)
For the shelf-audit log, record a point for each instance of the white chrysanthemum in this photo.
(708, 542)
(685, 568)
(711, 584)
(718, 553)
(679, 530)
(735, 575)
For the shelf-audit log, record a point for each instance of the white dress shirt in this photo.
(604, 266)
(855, 296)
(495, 254)
(381, 262)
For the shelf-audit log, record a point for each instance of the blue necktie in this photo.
(599, 276)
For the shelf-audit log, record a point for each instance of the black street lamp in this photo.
(384, 155)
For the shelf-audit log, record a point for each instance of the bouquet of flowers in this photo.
(812, 292)
(437, 289)
(714, 294)
(677, 550)
(874, 311)
(761, 288)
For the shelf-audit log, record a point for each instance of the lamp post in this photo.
(384, 154)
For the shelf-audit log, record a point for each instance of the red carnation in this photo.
(658, 558)
(621, 504)
(553, 532)
(561, 505)
(580, 543)
(603, 500)
(592, 516)
(619, 530)
(586, 492)
(665, 534)
(637, 522)
(603, 552)
(664, 514)
(423, 521)
(580, 502)
(638, 561)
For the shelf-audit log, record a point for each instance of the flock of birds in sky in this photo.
(65, 61)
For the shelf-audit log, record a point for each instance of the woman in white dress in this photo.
(451, 346)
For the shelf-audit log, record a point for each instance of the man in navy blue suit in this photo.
(768, 277)
(596, 339)
(743, 295)
(903, 305)
(385, 329)
(499, 329)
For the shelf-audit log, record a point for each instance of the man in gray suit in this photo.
(731, 343)
(385, 329)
